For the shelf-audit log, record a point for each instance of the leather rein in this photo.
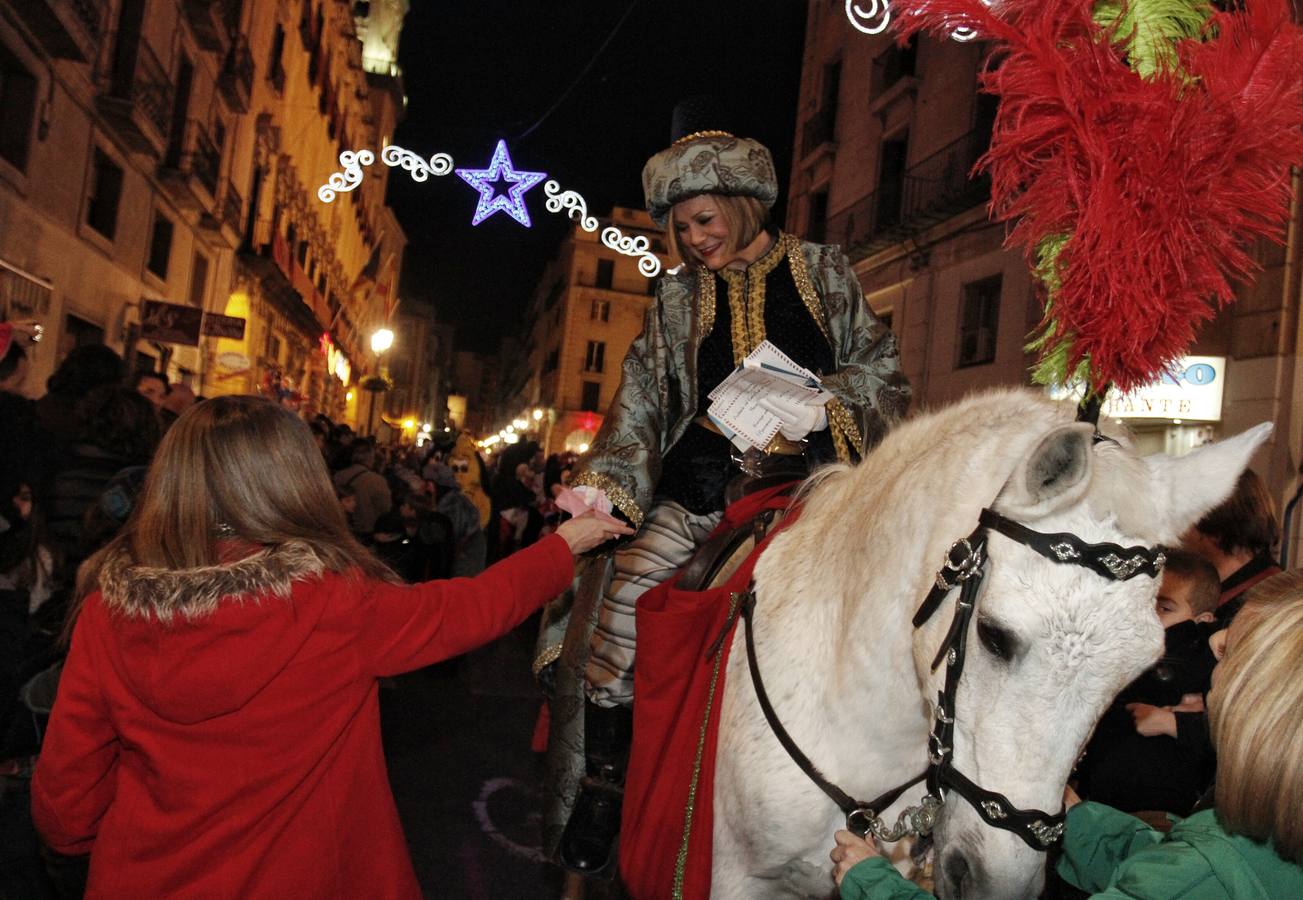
(964, 567)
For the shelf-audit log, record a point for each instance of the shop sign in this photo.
(235, 362)
(170, 323)
(1191, 390)
(217, 325)
(336, 362)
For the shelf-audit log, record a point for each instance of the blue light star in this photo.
(500, 169)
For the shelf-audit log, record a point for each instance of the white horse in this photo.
(851, 679)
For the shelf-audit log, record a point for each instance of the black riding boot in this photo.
(589, 838)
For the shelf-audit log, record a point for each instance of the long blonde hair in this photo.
(244, 466)
(1255, 711)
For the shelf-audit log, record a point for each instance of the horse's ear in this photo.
(1191, 485)
(1055, 474)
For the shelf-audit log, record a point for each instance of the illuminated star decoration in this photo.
(500, 169)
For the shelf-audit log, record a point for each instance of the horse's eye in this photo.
(996, 640)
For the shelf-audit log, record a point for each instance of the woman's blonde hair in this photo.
(745, 217)
(1255, 711)
(248, 467)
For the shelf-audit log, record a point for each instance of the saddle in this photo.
(713, 556)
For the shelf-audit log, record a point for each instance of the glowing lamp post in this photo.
(381, 340)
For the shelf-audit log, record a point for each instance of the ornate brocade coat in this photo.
(653, 407)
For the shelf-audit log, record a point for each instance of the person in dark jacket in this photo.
(119, 429)
(1239, 538)
(84, 368)
(1139, 759)
(217, 727)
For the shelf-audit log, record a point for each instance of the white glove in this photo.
(796, 419)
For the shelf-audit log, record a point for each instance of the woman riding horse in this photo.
(661, 463)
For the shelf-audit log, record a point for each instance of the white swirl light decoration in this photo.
(570, 201)
(350, 178)
(416, 166)
(864, 21)
(632, 245)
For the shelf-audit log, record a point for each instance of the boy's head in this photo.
(1189, 591)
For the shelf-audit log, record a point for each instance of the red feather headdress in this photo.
(1138, 165)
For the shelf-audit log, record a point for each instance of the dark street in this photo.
(457, 743)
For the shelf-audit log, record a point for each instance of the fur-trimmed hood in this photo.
(135, 590)
(198, 643)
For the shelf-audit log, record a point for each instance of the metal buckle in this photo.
(964, 568)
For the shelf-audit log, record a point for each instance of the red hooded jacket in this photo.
(217, 730)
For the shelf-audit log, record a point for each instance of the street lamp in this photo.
(381, 340)
(538, 415)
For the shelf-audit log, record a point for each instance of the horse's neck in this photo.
(846, 635)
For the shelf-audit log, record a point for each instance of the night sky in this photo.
(479, 70)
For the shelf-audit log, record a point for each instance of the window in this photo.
(895, 63)
(198, 279)
(275, 69)
(595, 359)
(550, 364)
(160, 246)
(817, 227)
(601, 311)
(273, 348)
(891, 182)
(605, 272)
(105, 192)
(17, 108)
(592, 396)
(979, 320)
(301, 254)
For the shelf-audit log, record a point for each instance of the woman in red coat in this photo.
(217, 729)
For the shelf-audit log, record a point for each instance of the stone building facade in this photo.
(157, 151)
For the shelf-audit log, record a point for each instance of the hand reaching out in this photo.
(589, 530)
(1152, 721)
(850, 849)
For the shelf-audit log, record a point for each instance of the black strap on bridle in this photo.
(963, 567)
(857, 812)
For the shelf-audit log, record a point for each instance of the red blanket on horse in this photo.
(668, 818)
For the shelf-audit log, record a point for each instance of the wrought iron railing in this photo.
(192, 152)
(232, 208)
(930, 191)
(236, 79)
(144, 84)
(91, 15)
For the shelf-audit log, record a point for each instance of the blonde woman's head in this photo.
(1255, 710)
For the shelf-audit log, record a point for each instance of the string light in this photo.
(501, 169)
(559, 200)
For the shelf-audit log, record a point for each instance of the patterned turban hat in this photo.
(706, 160)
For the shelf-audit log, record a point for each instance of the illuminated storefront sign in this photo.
(1191, 391)
(336, 361)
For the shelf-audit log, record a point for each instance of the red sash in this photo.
(668, 817)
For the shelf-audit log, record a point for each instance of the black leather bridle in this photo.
(965, 568)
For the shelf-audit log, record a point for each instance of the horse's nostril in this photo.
(957, 872)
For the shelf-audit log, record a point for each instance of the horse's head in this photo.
(1051, 644)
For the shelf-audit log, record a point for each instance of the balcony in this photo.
(190, 168)
(236, 80)
(223, 221)
(207, 19)
(67, 29)
(820, 129)
(933, 190)
(138, 101)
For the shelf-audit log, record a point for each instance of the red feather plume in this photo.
(1161, 183)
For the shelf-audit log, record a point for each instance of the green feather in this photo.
(1148, 30)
